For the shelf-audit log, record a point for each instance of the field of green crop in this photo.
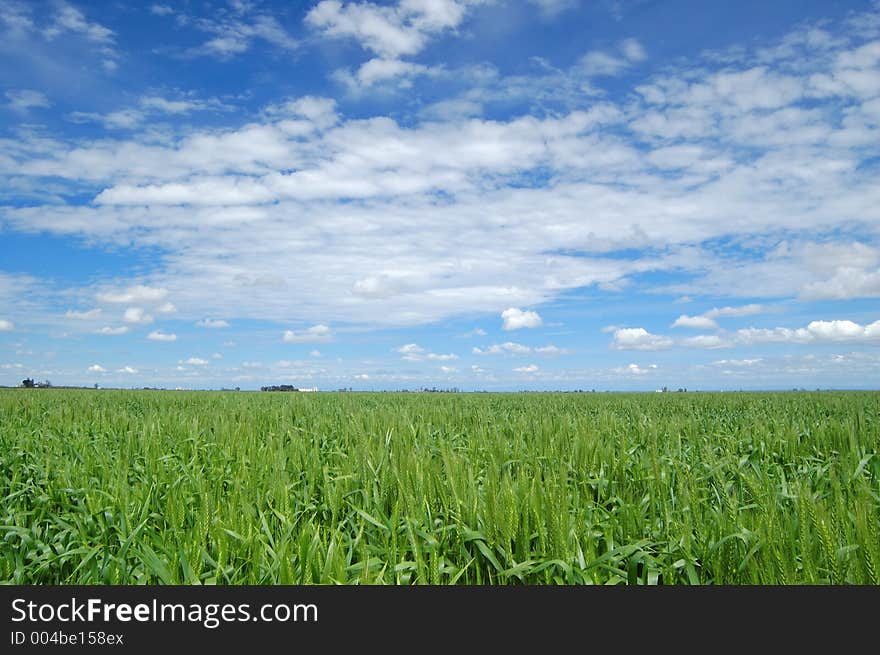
(127, 487)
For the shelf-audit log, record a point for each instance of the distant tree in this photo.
(28, 383)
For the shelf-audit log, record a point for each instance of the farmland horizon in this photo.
(38, 386)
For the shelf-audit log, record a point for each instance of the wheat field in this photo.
(153, 487)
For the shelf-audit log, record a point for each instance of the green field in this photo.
(127, 487)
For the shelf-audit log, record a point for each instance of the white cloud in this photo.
(381, 70)
(600, 63)
(161, 10)
(441, 357)
(113, 330)
(23, 100)
(86, 315)
(235, 34)
(635, 369)
(448, 369)
(753, 164)
(744, 310)
(509, 347)
(738, 362)
(708, 341)
(69, 19)
(128, 370)
(216, 356)
(97, 368)
(362, 376)
(158, 335)
(633, 50)
(318, 332)
(389, 31)
(551, 351)
(148, 108)
(531, 368)
(515, 318)
(196, 361)
(412, 352)
(639, 339)
(816, 331)
(552, 8)
(847, 282)
(700, 322)
(315, 353)
(136, 315)
(212, 323)
(166, 308)
(134, 294)
(6, 326)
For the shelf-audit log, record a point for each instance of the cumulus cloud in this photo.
(158, 335)
(515, 319)
(196, 361)
(531, 368)
(388, 31)
(128, 370)
(635, 369)
(318, 332)
(166, 308)
(552, 351)
(508, 347)
(847, 282)
(136, 315)
(639, 339)
(212, 323)
(97, 368)
(413, 352)
(816, 331)
(700, 322)
(6, 326)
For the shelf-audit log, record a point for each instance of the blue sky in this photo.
(500, 195)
